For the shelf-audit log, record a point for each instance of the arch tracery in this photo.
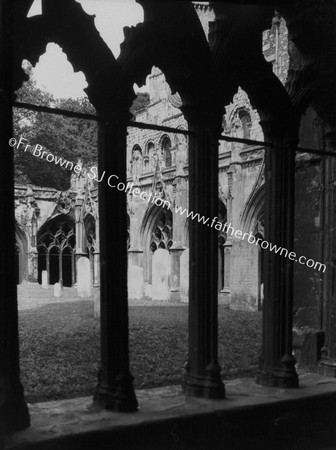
(56, 246)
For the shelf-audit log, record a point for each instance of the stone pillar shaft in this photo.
(96, 269)
(202, 376)
(327, 365)
(115, 385)
(227, 266)
(278, 363)
(13, 410)
(175, 274)
(96, 257)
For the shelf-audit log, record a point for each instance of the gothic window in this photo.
(148, 158)
(56, 248)
(137, 161)
(245, 118)
(162, 234)
(167, 154)
(91, 236)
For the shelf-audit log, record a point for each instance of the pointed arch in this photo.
(253, 210)
(151, 241)
(56, 243)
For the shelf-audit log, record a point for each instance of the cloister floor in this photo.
(59, 343)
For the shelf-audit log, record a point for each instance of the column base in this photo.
(327, 368)
(284, 376)
(120, 397)
(15, 416)
(207, 386)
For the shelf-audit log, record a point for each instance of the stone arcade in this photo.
(157, 167)
(206, 74)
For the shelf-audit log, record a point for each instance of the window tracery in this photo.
(162, 234)
(60, 234)
(167, 151)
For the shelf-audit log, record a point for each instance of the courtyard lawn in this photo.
(60, 347)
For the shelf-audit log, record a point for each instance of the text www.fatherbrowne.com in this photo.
(157, 200)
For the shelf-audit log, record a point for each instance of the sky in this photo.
(54, 72)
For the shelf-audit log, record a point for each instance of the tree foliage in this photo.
(68, 138)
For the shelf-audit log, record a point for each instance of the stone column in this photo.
(176, 250)
(229, 238)
(13, 410)
(227, 266)
(79, 231)
(277, 362)
(202, 377)
(115, 384)
(96, 257)
(175, 273)
(60, 268)
(327, 365)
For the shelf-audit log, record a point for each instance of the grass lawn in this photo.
(60, 347)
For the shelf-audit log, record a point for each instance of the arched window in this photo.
(245, 118)
(136, 150)
(167, 155)
(149, 157)
(137, 161)
(162, 234)
(56, 248)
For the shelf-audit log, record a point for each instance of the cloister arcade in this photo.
(206, 74)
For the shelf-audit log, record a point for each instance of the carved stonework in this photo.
(136, 164)
(64, 203)
(223, 193)
(230, 173)
(181, 155)
(259, 228)
(179, 188)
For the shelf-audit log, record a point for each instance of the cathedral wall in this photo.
(307, 242)
(245, 277)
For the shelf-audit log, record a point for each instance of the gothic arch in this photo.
(148, 156)
(166, 148)
(179, 54)
(253, 210)
(136, 147)
(252, 221)
(56, 243)
(163, 239)
(74, 31)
